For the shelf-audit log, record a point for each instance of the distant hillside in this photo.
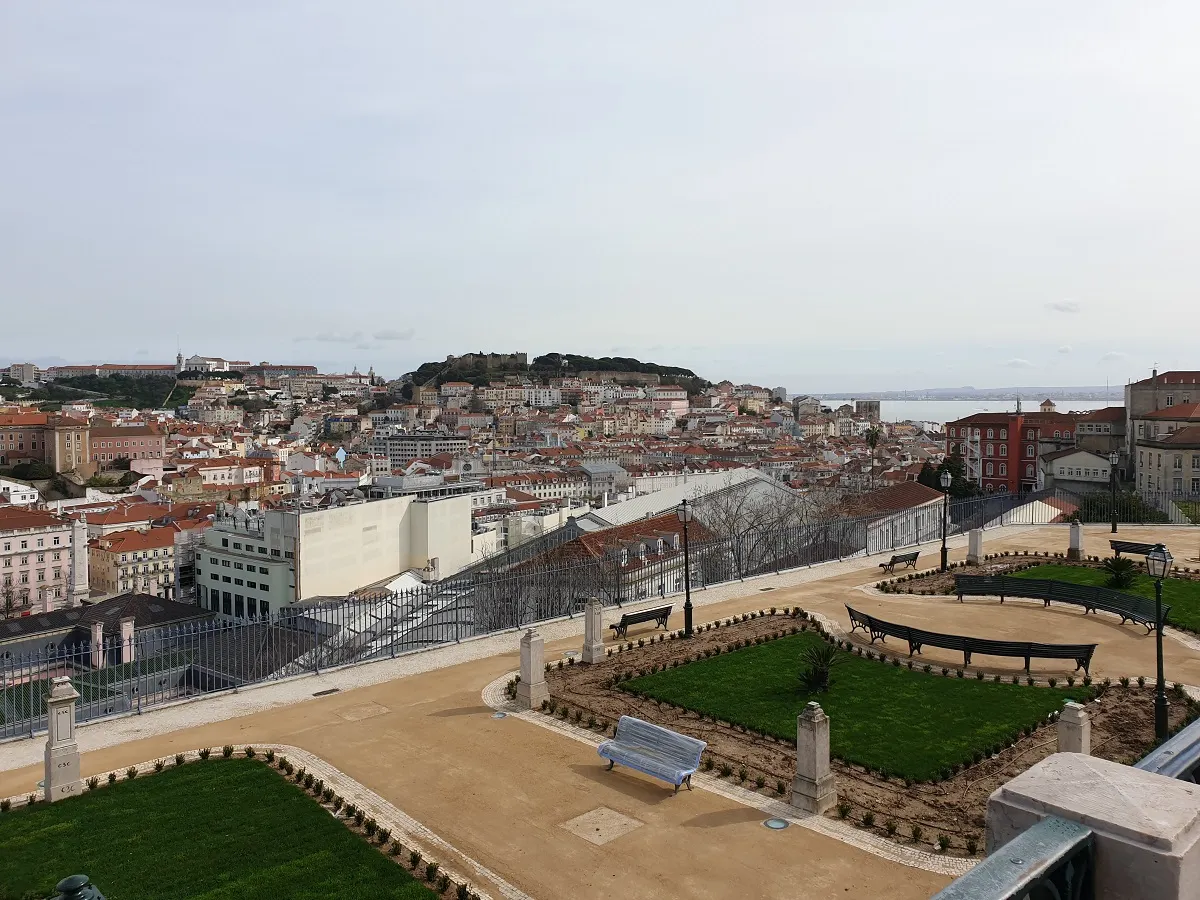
(552, 365)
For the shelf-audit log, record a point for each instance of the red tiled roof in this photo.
(1178, 411)
(907, 495)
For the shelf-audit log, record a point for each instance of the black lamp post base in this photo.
(1162, 724)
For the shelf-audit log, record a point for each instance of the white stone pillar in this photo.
(62, 753)
(975, 546)
(1075, 550)
(79, 561)
(1074, 730)
(813, 788)
(1146, 826)
(532, 690)
(127, 643)
(593, 631)
(98, 660)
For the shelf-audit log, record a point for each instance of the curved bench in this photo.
(658, 752)
(1129, 607)
(879, 630)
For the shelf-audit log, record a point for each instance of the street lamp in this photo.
(1158, 562)
(1113, 458)
(945, 479)
(684, 512)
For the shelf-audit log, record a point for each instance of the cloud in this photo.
(391, 334)
(1018, 363)
(1113, 355)
(1065, 348)
(1063, 306)
(332, 337)
(365, 347)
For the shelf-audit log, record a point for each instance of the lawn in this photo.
(1182, 596)
(906, 722)
(216, 829)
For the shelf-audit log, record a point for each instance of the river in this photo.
(942, 411)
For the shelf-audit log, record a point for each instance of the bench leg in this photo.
(677, 789)
(1027, 665)
(611, 763)
(966, 657)
(689, 782)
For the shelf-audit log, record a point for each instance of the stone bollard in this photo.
(78, 887)
(62, 752)
(813, 788)
(1146, 826)
(1074, 729)
(531, 689)
(975, 546)
(1075, 550)
(593, 631)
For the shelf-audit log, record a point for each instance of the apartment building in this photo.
(58, 441)
(1001, 451)
(402, 448)
(1166, 445)
(43, 560)
(1177, 388)
(132, 560)
(110, 445)
(1076, 469)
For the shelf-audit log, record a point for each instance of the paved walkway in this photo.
(416, 732)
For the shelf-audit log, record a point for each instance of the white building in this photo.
(17, 493)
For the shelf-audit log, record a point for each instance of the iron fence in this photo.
(159, 665)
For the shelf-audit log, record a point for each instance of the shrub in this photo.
(708, 763)
(760, 782)
(249, 751)
(780, 788)
(843, 809)
(370, 826)
(943, 842)
(726, 770)
(868, 819)
(896, 662)
(1121, 571)
(1141, 681)
(204, 753)
(1029, 681)
(1070, 681)
(131, 773)
(288, 768)
(92, 784)
(327, 795)
(1124, 681)
(337, 803)
(1087, 680)
(269, 756)
(179, 759)
(112, 777)
(443, 882)
(396, 848)
(742, 775)
(1016, 679)
(1052, 681)
(414, 858)
(350, 810)
(1177, 689)
(979, 676)
(227, 751)
(359, 817)
(890, 827)
(972, 845)
(917, 832)
(817, 663)
(926, 668)
(159, 765)
(431, 871)
(996, 679)
(463, 892)
(959, 672)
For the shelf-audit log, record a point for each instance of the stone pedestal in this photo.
(974, 546)
(531, 689)
(1074, 730)
(813, 788)
(62, 753)
(1075, 550)
(593, 631)
(1147, 827)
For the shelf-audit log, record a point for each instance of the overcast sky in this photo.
(822, 196)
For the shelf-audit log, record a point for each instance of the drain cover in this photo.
(499, 715)
(776, 824)
(326, 693)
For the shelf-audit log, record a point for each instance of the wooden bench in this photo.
(1129, 607)
(879, 630)
(1119, 547)
(909, 559)
(659, 615)
(658, 752)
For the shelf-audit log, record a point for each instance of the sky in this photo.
(820, 196)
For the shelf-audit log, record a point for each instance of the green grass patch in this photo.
(1182, 596)
(908, 723)
(218, 829)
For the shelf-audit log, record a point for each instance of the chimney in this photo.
(127, 639)
(97, 645)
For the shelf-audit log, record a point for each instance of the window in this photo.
(41, 542)
(239, 606)
(264, 608)
(1196, 460)
(214, 577)
(1029, 471)
(226, 579)
(238, 581)
(225, 563)
(251, 584)
(1141, 429)
(287, 554)
(1003, 433)
(224, 542)
(1029, 450)
(991, 434)
(263, 586)
(262, 571)
(1178, 461)
(1061, 471)
(213, 560)
(1196, 485)
(1058, 434)
(1067, 435)
(1003, 468)
(226, 602)
(274, 552)
(988, 470)
(1029, 435)
(988, 450)
(237, 546)
(1170, 400)
(238, 565)
(214, 599)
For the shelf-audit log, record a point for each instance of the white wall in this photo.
(351, 546)
(441, 528)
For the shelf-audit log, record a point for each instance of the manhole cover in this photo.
(573, 654)
(499, 715)
(776, 824)
(327, 692)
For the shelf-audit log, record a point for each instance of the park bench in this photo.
(658, 752)
(659, 615)
(879, 630)
(1119, 547)
(1129, 607)
(909, 559)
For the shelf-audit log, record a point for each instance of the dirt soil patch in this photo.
(1122, 731)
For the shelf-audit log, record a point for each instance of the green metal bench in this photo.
(1129, 607)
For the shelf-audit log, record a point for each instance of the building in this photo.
(898, 516)
(1001, 451)
(26, 373)
(131, 370)
(43, 560)
(402, 448)
(1102, 431)
(251, 565)
(1164, 441)
(1076, 469)
(132, 560)
(17, 493)
(1154, 393)
(867, 409)
(110, 446)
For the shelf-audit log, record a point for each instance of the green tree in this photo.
(929, 476)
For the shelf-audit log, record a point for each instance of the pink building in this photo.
(43, 561)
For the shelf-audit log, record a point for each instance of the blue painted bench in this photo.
(654, 750)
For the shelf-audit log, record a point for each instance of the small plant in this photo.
(1029, 681)
(431, 871)
(360, 818)
(1124, 681)
(350, 810)
(249, 752)
(818, 662)
(1052, 681)
(179, 759)
(269, 756)
(159, 765)
(995, 679)
(843, 809)
(131, 773)
(112, 777)
(917, 832)
(6, 804)
(282, 762)
(890, 827)
(896, 662)
(1177, 689)
(959, 672)
(463, 892)
(31, 800)
(1087, 680)
(396, 848)
(1141, 681)
(443, 882)
(205, 752)
(227, 751)
(926, 668)
(868, 819)
(1070, 681)
(327, 795)
(708, 763)
(972, 846)
(382, 835)
(742, 775)
(979, 676)
(92, 784)
(943, 842)
(945, 672)
(288, 768)
(760, 782)
(370, 826)
(726, 770)
(1121, 571)
(414, 859)
(337, 803)
(780, 788)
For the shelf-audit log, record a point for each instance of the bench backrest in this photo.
(1131, 547)
(645, 615)
(1049, 589)
(637, 733)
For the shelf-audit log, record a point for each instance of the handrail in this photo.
(1178, 757)
(1054, 858)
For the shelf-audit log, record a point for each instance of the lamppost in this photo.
(1158, 562)
(945, 479)
(1113, 458)
(684, 512)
